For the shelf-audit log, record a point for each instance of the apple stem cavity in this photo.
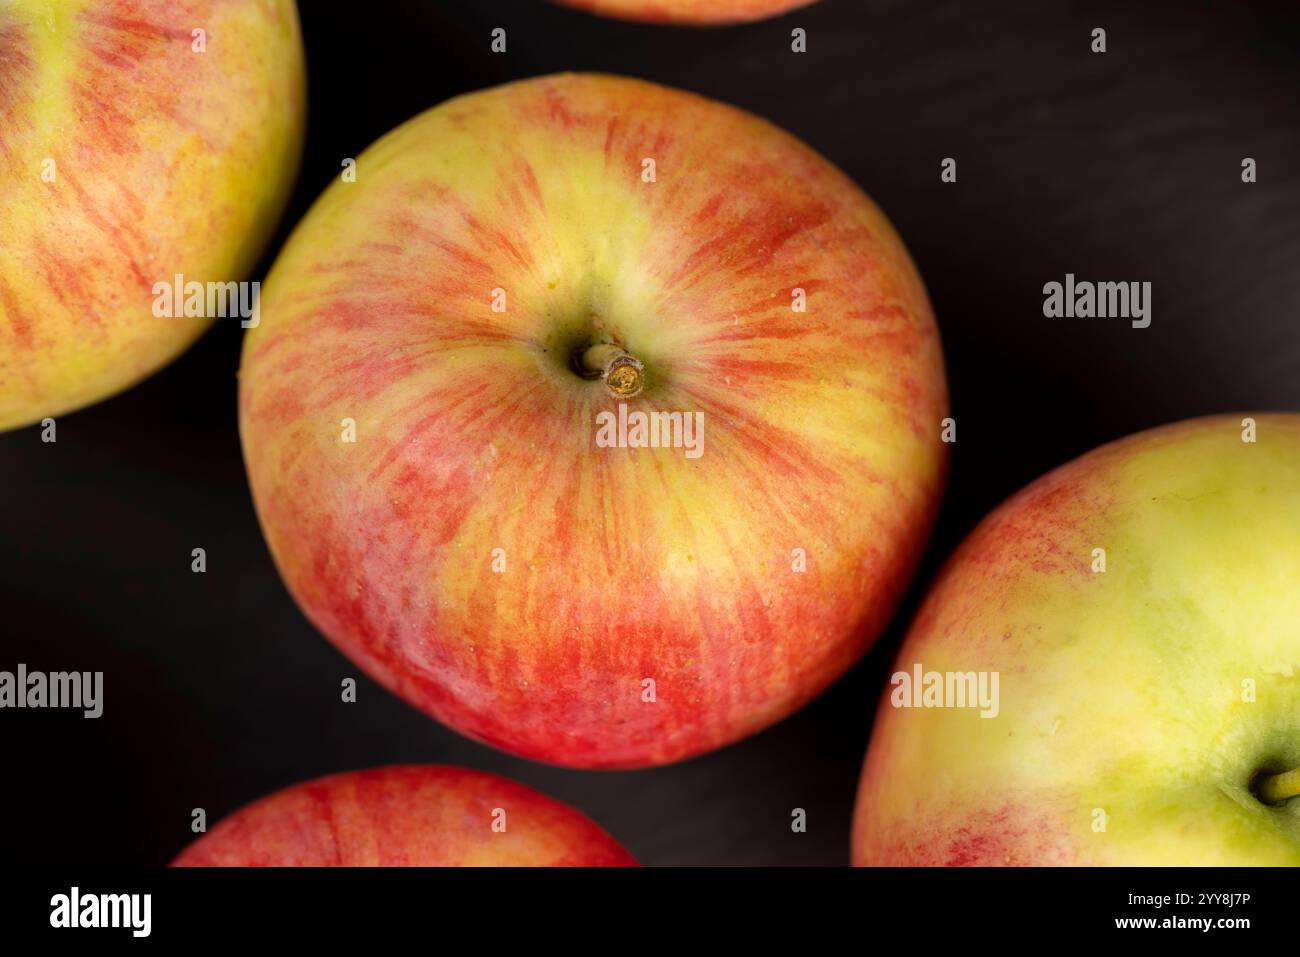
(623, 375)
(1277, 788)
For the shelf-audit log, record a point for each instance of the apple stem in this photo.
(624, 375)
(1277, 788)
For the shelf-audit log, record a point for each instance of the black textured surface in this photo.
(1122, 166)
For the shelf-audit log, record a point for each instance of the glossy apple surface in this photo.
(701, 12)
(427, 470)
(416, 816)
(126, 158)
(1139, 705)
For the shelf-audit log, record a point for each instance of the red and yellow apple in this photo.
(689, 11)
(139, 140)
(1141, 606)
(420, 417)
(411, 816)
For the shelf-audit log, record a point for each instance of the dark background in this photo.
(1122, 166)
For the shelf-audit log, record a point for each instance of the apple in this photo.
(689, 11)
(445, 419)
(416, 816)
(141, 140)
(1141, 606)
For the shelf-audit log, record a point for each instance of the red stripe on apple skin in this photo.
(495, 239)
(16, 73)
(142, 29)
(463, 259)
(123, 234)
(776, 328)
(627, 140)
(749, 245)
(19, 322)
(531, 185)
(118, 59)
(67, 282)
(710, 209)
(611, 134)
(558, 110)
(454, 399)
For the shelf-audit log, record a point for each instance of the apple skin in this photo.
(407, 816)
(166, 161)
(696, 12)
(473, 432)
(1120, 691)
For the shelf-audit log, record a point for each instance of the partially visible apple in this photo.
(139, 140)
(689, 11)
(422, 412)
(1149, 712)
(418, 816)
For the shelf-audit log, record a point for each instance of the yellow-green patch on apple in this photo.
(1142, 607)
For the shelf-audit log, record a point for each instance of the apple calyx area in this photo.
(1278, 788)
(623, 374)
